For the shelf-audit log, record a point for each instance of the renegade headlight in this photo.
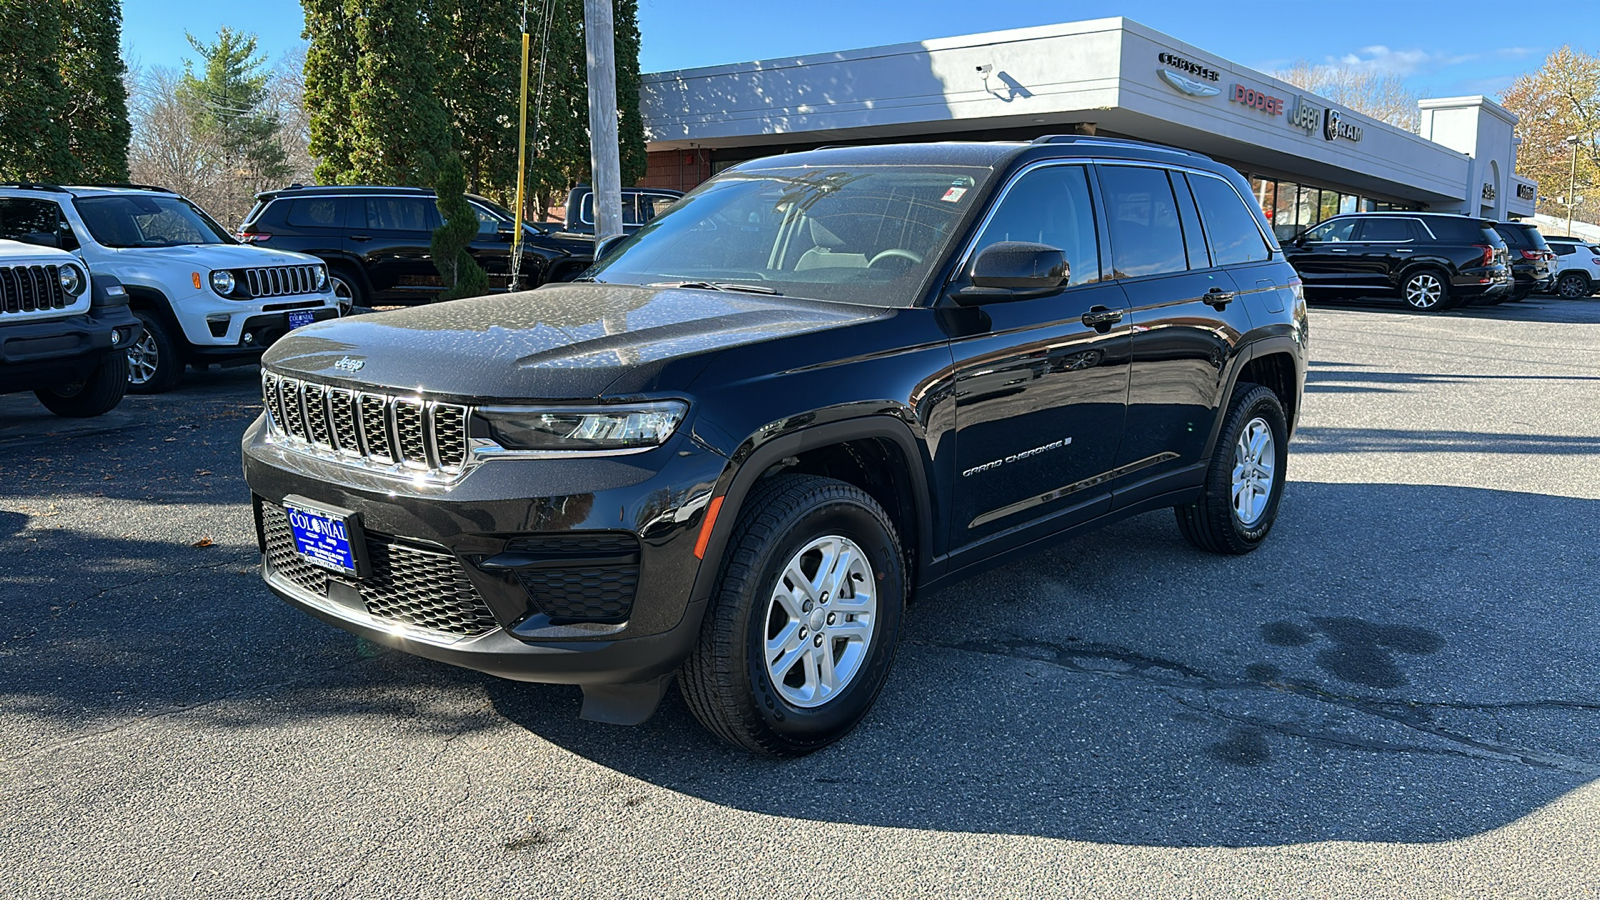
(72, 281)
(322, 277)
(603, 429)
(223, 282)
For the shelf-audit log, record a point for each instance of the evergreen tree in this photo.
(228, 101)
(34, 141)
(462, 275)
(478, 75)
(630, 127)
(400, 128)
(330, 73)
(96, 115)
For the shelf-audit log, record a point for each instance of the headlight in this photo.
(605, 429)
(223, 282)
(71, 280)
(322, 277)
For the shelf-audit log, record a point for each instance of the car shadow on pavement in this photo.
(1359, 678)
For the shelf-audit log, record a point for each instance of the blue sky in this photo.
(1473, 47)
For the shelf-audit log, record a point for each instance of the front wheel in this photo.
(1572, 286)
(97, 394)
(1244, 482)
(803, 624)
(346, 289)
(154, 364)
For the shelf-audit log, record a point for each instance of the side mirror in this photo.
(606, 245)
(1014, 270)
(41, 239)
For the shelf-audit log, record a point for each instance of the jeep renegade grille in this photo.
(31, 289)
(281, 280)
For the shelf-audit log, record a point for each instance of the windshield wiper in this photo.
(720, 286)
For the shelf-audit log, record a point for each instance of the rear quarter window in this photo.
(1457, 231)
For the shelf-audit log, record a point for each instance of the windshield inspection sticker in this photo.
(1026, 454)
(954, 195)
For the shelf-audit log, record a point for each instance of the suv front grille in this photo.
(410, 585)
(280, 281)
(429, 437)
(31, 289)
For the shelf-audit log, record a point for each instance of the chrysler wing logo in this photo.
(350, 363)
(1188, 85)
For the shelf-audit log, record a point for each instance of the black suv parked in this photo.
(377, 240)
(1531, 258)
(819, 384)
(1432, 261)
(639, 206)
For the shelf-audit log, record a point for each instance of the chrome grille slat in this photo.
(401, 435)
(280, 281)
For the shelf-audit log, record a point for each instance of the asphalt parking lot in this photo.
(1399, 695)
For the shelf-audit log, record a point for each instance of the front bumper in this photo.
(52, 352)
(498, 539)
(254, 334)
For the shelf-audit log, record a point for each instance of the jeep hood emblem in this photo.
(350, 363)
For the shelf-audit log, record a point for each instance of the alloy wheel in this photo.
(1424, 291)
(1573, 286)
(345, 294)
(143, 359)
(820, 621)
(1255, 459)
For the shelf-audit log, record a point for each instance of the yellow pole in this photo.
(522, 168)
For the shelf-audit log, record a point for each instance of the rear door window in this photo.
(1142, 214)
(1230, 228)
(399, 214)
(317, 212)
(1050, 206)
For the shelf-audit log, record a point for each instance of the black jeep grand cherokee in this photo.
(819, 384)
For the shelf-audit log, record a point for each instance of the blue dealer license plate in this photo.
(299, 317)
(325, 539)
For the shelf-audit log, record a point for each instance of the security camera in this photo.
(985, 69)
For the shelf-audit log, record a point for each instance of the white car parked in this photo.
(1577, 267)
(201, 295)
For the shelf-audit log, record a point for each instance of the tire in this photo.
(155, 365)
(1427, 290)
(791, 524)
(1572, 286)
(1215, 522)
(347, 288)
(97, 394)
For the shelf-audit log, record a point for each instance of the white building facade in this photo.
(1307, 158)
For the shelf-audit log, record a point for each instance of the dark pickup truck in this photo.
(819, 385)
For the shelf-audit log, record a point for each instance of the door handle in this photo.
(1218, 298)
(1339, 250)
(360, 237)
(1101, 318)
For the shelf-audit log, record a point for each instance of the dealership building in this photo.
(1306, 157)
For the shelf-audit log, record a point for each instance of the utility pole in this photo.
(1572, 182)
(604, 161)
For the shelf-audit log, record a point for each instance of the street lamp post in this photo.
(1572, 181)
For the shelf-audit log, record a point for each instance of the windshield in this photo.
(140, 220)
(859, 234)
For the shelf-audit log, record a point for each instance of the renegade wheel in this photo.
(1572, 285)
(99, 393)
(802, 627)
(154, 365)
(1245, 480)
(347, 289)
(1427, 291)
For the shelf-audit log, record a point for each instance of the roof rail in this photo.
(127, 186)
(33, 186)
(1112, 142)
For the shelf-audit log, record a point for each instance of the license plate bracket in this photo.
(299, 317)
(328, 537)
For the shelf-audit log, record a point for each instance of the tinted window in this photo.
(1513, 236)
(317, 212)
(1386, 229)
(1146, 238)
(21, 216)
(1050, 206)
(148, 220)
(1335, 231)
(1458, 230)
(1230, 228)
(398, 213)
(1564, 249)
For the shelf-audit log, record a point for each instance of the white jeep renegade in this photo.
(201, 295)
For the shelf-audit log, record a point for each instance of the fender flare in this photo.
(1266, 346)
(742, 475)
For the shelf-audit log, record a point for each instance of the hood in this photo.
(220, 256)
(15, 253)
(561, 342)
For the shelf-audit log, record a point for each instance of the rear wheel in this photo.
(154, 363)
(1244, 482)
(802, 627)
(99, 393)
(1572, 285)
(1428, 291)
